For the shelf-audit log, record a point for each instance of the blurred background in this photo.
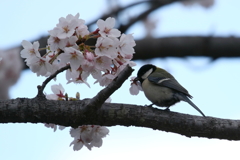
(197, 41)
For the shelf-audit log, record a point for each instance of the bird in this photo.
(161, 88)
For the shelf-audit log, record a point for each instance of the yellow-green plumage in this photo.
(161, 88)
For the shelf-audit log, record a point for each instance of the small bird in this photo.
(161, 88)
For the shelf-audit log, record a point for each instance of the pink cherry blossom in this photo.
(88, 62)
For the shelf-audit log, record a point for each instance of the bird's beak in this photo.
(136, 79)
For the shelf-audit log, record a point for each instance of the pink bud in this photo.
(89, 56)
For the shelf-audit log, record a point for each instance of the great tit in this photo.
(161, 88)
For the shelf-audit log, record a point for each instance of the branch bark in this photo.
(213, 47)
(73, 113)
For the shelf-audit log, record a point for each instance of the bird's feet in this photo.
(150, 106)
(167, 109)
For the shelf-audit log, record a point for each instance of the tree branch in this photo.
(213, 47)
(97, 101)
(154, 6)
(71, 113)
(47, 80)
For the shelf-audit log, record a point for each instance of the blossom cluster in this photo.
(103, 61)
(86, 135)
(135, 86)
(66, 45)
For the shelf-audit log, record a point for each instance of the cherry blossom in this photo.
(72, 55)
(65, 28)
(88, 135)
(106, 79)
(107, 47)
(112, 52)
(77, 76)
(126, 45)
(103, 63)
(58, 92)
(106, 28)
(135, 86)
(40, 66)
(82, 30)
(54, 42)
(50, 125)
(77, 144)
(54, 126)
(88, 62)
(30, 50)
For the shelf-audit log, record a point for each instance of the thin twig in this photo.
(116, 11)
(41, 87)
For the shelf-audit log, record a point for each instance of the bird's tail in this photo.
(186, 99)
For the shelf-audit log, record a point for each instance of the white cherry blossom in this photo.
(106, 79)
(126, 45)
(104, 61)
(106, 28)
(88, 135)
(135, 86)
(72, 56)
(107, 47)
(82, 30)
(40, 66)
(30, 50)
(58, 92)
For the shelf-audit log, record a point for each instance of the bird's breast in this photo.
(160, 96)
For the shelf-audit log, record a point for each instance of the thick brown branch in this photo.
(96, 102)
(70, 113)
(213, 47)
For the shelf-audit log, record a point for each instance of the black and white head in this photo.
(145, 71)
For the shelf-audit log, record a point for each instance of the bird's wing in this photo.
(169, 83)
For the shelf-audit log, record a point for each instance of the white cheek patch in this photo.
(160, 81)
(147, 73)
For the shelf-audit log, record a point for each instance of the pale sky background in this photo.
(214, 85)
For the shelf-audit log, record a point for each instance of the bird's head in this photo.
(145, 71)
